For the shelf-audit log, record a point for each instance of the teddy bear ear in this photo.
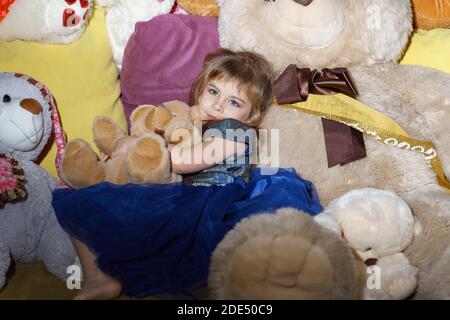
(389, 24)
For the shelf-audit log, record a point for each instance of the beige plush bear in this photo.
(368, 37)
(142, 157)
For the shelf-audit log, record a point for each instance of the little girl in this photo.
(151, 239)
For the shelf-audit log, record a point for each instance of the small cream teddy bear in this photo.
(378, 225)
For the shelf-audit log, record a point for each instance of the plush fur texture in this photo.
(372, 40)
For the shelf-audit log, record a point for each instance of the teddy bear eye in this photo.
(6, 99)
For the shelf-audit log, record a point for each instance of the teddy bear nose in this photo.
(304, 2)
(31, 105)
(371, 262)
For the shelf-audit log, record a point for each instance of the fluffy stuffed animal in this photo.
(368, 37)
(200, 7)
(29, 230)
(286, 255)
(320, 265)
(431, 14)
(50, 21)
(122, 15)
(378, 225)
(145, 160)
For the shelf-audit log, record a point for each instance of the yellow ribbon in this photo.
(374, 124)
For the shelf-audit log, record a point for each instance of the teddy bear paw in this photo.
(80, 166)
(148, 118)
(106, 134)
(282, 256)
(148, 160)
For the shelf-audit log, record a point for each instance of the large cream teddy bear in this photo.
(367, 36)
(142, 159)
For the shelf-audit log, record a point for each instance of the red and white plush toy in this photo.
(49, 21)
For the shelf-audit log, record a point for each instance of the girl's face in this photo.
(222, 99)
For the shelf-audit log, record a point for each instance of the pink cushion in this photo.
(164, 56)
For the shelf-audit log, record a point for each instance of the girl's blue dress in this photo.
(159, 238)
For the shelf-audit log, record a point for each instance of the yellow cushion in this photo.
(430, 49)
(82, 77)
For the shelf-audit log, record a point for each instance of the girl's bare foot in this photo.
(101, 287)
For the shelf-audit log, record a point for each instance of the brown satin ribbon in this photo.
(343, 143)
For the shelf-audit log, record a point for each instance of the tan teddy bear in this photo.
(141, 157)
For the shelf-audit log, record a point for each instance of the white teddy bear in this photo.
(378, 225)
(122, 15)
(49, 21)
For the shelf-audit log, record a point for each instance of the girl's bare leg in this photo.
(96, 284)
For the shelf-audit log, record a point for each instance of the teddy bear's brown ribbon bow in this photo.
(343, 143)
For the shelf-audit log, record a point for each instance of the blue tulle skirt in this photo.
(159, 238)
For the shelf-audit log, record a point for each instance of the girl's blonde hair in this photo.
(251, 70)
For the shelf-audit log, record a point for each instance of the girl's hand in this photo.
(189, 159)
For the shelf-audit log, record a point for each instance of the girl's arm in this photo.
(190, 159)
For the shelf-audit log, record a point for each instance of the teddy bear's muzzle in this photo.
(31, 105)
(21, 124)
(307, 23)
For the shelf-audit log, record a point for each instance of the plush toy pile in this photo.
(286, 255)
(308, 261)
